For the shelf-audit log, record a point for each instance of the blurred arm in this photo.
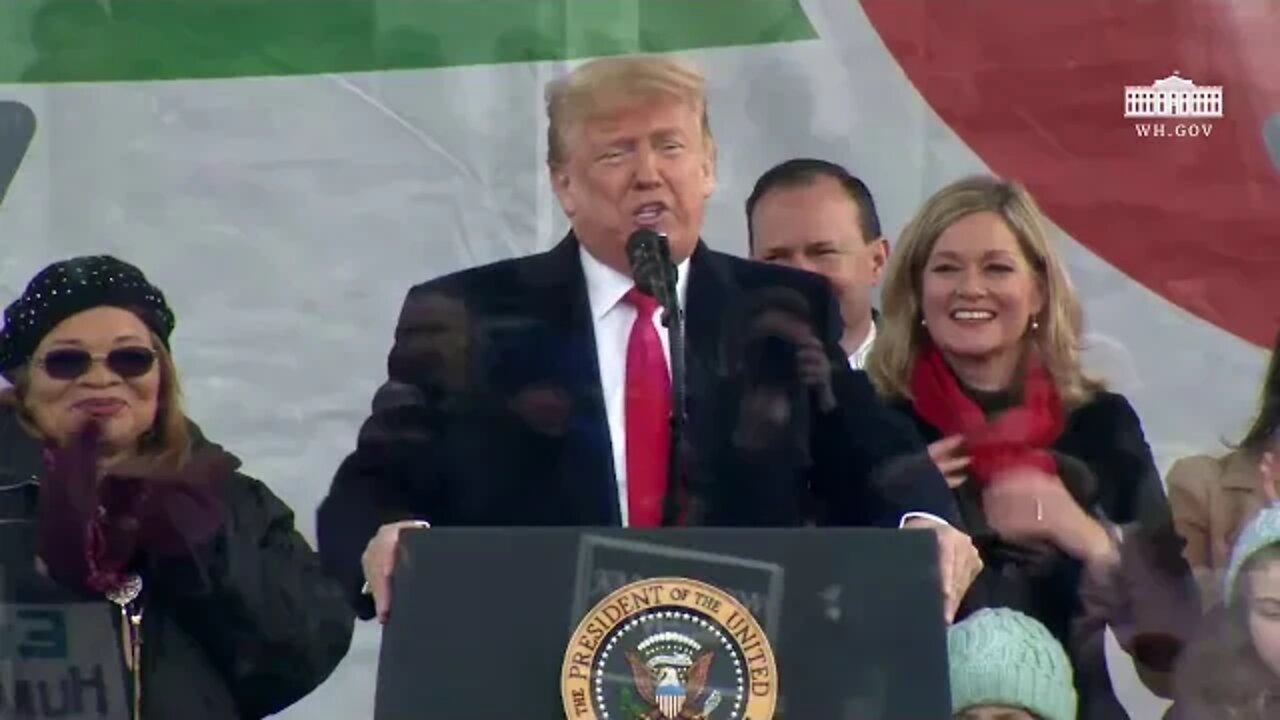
(1188, 483)
(1149, 598)
(393, 474)
(871, 466)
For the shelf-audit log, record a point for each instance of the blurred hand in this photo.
(1269, 476)
(814, 369)
(958, 559)
(66, 505)
(182, 511)
(546, 409)
(1024, 506)
(948, 455)
(1027, 506)
(813, 366)
(379, 560)
(764, 414)
(149, 507)
(113, 539)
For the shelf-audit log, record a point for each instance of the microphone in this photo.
(649, 254)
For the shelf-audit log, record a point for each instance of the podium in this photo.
(670, 624)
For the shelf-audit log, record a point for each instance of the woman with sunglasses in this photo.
(180, 582)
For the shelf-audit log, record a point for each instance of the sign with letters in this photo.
(61, 661)
(606, 564)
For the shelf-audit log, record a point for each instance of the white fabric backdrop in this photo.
(286, 218)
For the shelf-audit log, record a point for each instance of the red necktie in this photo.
(647, 403)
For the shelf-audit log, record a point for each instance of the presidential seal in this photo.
(669, 649)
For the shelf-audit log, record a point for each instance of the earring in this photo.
(923, 323)
(1035, 324)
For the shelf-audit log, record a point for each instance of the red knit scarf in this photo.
(1018, 437)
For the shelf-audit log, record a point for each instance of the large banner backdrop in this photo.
(286, 169)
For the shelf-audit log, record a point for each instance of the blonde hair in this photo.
(169, 439)
(1058, 337)
(605, 86)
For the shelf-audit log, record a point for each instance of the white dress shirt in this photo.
(858, 360)
(612, 319)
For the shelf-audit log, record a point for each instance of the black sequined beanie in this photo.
(68, 287)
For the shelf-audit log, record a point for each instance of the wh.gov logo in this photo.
(1177, 107)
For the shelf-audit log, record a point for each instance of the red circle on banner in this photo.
(1038, 90)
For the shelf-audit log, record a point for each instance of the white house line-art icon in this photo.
(1173, 97)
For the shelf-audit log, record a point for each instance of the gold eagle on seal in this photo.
(672, 694)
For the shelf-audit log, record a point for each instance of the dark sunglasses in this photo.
(71, 363)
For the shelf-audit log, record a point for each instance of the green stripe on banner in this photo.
(102, 40)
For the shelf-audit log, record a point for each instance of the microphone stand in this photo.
(673, 320)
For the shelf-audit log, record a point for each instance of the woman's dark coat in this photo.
(242, 629)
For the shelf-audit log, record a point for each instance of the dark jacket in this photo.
(493, 413)
(243, 630)
(1105, 463)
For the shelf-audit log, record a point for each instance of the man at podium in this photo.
(538, 391)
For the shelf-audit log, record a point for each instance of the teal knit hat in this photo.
(1262, 530)
(1002, 657)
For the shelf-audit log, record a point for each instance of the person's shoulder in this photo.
(1107, 407)
(20, 451)
(900, 403)
(753, 274)
(762, 283)
(905, 408)
(512, 285)
(481, 279)
(1105, 420)
(249, 499)
(1195, 471)
(8, 418)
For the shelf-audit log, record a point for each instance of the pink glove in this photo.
(170, 513)
(91, 532)
(66, 507)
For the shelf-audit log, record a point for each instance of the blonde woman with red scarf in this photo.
(979, 346)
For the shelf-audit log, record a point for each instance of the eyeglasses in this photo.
(71, 363)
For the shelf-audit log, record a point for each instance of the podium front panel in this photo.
(484, 620)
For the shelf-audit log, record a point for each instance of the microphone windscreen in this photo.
(642, 243)
(643, 253)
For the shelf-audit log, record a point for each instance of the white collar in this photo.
(858, 359)
(606, 286)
